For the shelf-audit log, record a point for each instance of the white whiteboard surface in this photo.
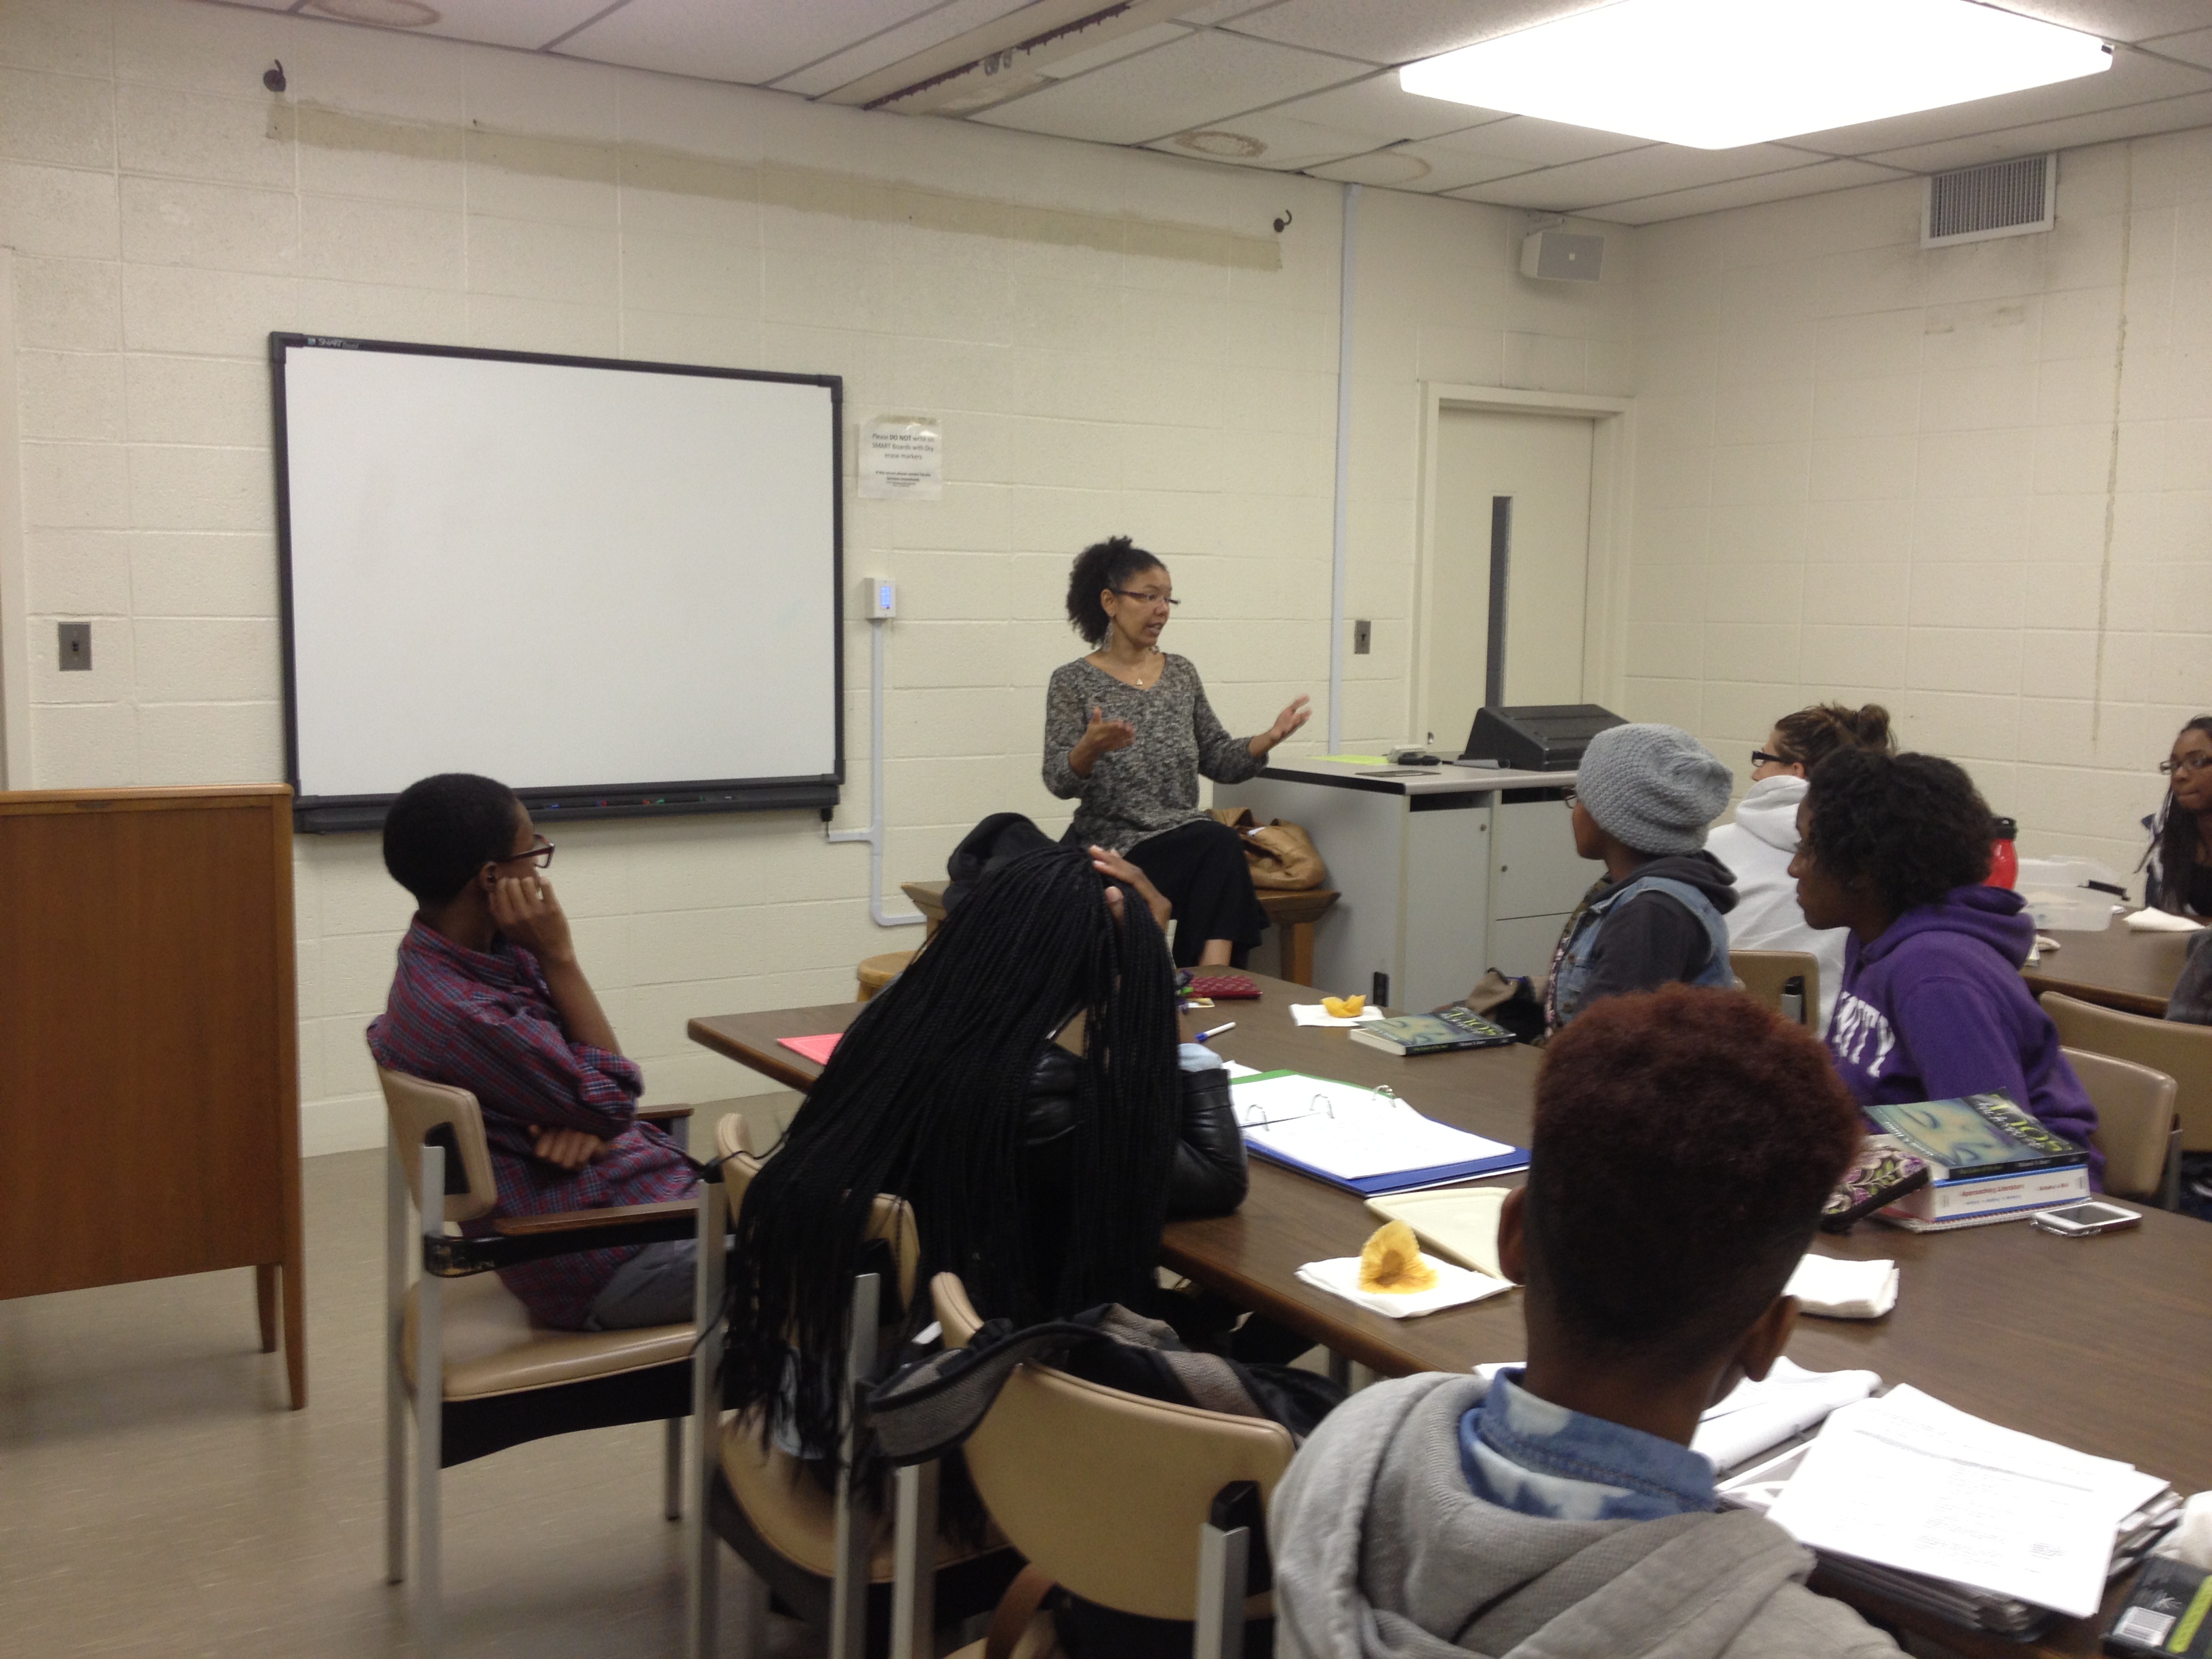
(563, 575)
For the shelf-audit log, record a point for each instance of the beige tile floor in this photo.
(157, 1499)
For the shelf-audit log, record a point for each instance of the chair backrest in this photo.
(1764, 973)
(417, 1109)
(2182, 1051)
(2134, 1120)
(892, 1219)
(1105, 1491)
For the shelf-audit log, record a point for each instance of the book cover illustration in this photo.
(1975, 1134)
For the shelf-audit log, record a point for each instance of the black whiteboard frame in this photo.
(656, 798)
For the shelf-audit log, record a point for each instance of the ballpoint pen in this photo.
(1206, 1037)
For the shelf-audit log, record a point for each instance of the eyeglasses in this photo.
(1760, 758)
(1569, 795)
(1146, 599)
(541, 855)
(2186, 764)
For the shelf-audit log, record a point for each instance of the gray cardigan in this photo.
(1151, 787)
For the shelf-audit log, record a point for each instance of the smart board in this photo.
(613, 585)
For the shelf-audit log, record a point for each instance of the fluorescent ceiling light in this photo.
(1714, 74)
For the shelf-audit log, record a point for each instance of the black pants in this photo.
(1201, 867)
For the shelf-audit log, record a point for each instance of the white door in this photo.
(1540, 465)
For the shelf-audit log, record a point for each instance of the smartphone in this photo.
(2081, 1220)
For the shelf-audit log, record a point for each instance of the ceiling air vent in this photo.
(2002, 199)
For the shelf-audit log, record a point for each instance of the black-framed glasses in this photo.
(1760, 758)
(1147, 599)
(1569, 795)
(2185, 763)
(541, 855)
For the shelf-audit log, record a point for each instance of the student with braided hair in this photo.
(1757, 847)
(1041, 1172)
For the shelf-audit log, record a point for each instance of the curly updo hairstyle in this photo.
(1115, 562)
(1913, 826)
(1811, 735)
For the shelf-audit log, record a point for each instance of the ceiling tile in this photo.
(2117, 20)
(750, 41)
(1393, 168)
(1644, 171)
(1452, 169)
(1399, 31)
(1289, 145)
(895, 45)
(2106, 126)
(1814, 181)
(2194, 47)
(1109, 52)
(493, 23)
(1384, 110)
(1533, 143)
(1220, 11)
(2134, 78)
(1197, 82)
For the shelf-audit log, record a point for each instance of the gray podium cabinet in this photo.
(1444, 875)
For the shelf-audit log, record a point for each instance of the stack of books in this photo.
(1989, 1159)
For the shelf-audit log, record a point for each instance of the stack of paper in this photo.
(1355, 1138)
(1908, 1483)
(1757, 1417)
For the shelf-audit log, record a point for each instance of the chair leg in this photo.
(703, 1578)
(396, 1201)
(1224, 1550)
(2169, 1186)
(429, 1419)
(672, 1472)
(848, 1593)
(914, 1563)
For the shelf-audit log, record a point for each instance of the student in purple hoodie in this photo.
(1896, 847)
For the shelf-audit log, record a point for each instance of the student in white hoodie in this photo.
(1758, 846)
(1556, 1511)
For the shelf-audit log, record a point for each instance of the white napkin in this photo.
(1835, 1289)
(1758, 1416)
(1454, 1284)
(1312, 1014)
(2160, 922)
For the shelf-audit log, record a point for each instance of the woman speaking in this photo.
(1126, 731)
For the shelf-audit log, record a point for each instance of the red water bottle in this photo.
(2004, 857)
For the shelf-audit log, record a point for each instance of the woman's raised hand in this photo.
(1297, 714)
(1115, 868)
(1101, 737)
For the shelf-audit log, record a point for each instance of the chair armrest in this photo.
(577, 1221)
(663, 1115)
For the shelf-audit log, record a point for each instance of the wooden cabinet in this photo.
(148, 1044)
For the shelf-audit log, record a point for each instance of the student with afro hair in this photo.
(1896, 847)
(490, 997)
(1685, 1141)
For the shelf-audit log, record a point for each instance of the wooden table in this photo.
(2119, 968)
(1291, 915)
(2104, 1344)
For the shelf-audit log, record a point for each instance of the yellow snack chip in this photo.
(1390, 1261)
(1343, 1007)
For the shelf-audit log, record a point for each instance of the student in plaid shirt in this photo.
(489, 997)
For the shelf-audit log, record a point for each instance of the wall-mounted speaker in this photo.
(1559, 255)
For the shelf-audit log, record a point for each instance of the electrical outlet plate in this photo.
(76, 643)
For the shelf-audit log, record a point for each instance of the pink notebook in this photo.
(815, 1048)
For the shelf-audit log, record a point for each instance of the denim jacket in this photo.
(1532, 1457)
(1570, 972)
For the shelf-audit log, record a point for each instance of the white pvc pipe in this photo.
(873, 835)
(1341, 542)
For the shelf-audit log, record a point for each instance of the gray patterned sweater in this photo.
(1151, 787)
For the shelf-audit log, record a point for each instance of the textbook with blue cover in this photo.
(1362, 1140)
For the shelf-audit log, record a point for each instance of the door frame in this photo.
(1605, 589)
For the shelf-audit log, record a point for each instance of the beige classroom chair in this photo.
(505, 1381)
(1119, 1499)
(2182, 1051)
(1762, 973)
(828, 1556)
(2136, 1129)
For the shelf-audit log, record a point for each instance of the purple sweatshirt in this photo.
(1936, 1008)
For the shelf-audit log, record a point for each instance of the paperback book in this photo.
(1431, 1034)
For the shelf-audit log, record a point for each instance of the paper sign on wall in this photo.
(901, 458)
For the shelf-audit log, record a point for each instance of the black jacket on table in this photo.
(1208, 1176)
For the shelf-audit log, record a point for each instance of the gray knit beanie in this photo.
(1654, 788)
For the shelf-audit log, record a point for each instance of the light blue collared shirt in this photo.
(1532, 1457)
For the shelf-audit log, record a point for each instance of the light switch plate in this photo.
(1363, 637)
(75, 639)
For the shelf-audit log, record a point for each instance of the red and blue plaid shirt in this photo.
(484, 1021)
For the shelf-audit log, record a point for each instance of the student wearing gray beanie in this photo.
(1643, 797)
